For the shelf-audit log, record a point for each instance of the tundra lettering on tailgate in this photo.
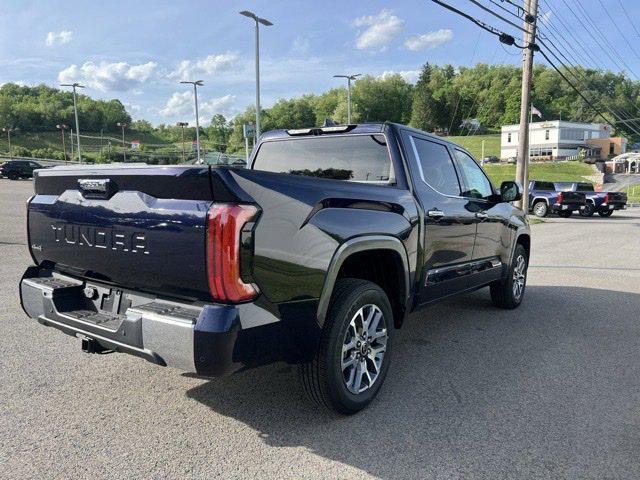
(100, 237)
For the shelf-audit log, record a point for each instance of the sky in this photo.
(138, 51)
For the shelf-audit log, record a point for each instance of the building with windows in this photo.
(560, 139)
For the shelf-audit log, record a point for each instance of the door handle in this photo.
(435, 213)
(481, 215)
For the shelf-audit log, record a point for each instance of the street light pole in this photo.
(266, 23)
(183, 124)
(349, 78)
(124, 148)
(196, 84)
(62, 127)
(9, 131)
(75, 109)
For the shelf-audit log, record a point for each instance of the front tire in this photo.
(606, 213)
(13, 176)
(355, 348)
(509, 292)
(540, 209)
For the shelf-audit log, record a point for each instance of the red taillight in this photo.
(606, 198)
(224, 230)
(560, 198)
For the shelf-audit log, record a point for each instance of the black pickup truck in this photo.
(314, 255)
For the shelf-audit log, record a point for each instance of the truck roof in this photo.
(359, 128)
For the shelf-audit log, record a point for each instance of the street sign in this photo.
(194, 145)
(135, 144)
(248, 130)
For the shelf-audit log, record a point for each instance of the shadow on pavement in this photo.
(550, 389)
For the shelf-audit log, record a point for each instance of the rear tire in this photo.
(606, 213)
(588, 210)
(342, 377)
(540, 209)
(565, 213)
(13, 176)
(509, 292)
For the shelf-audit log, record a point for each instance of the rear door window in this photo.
(436, 166)
(361, 158)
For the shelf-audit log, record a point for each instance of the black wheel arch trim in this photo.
(355, 245)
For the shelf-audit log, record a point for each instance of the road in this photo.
(551, 390)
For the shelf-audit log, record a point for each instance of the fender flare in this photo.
(536, 199)
(355, 245)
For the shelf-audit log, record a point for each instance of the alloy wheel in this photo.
(363, 348)
(519, 277)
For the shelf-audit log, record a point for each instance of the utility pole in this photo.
(124, 148)
(266, 23)
(183, 124)
(529, 37)
(75, 109)
(349, 78)
(62, 127)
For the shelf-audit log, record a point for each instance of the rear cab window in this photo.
(585, 187)
(545, 186)
(356, 158)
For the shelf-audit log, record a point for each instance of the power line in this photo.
(497, 15)
(615, 24)
(504, 37)
(573, 86)
(629, 18)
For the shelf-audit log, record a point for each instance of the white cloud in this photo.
(182, 103)
(410, 76)
(380, 30)
(211, 65)
(118, 76)
(300, 45)
(58, 38)
(429, 40)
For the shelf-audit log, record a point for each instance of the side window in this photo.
(476, 183)
(436, 167)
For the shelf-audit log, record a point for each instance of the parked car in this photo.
(15, 169)
(605, 203)
(490, 159)
(314, 255)
(545, 198)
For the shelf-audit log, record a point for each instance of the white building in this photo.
(555, 139)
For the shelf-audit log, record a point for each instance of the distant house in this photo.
(560, 139)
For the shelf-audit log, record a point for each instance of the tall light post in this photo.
(124, 148)
(349, 78)
(62, 127)
(75, 109)
(266, 23)
(183, 124)
(9, 131)
(196, 84)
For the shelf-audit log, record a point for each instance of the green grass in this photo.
(552, 172)
(633, 194)
(473, 143)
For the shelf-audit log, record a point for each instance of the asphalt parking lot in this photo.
(551, 390)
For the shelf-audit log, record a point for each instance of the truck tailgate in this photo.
(135, 226)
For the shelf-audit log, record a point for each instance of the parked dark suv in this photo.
(15, 169)
(313, 255)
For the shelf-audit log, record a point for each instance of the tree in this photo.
(382, 99)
